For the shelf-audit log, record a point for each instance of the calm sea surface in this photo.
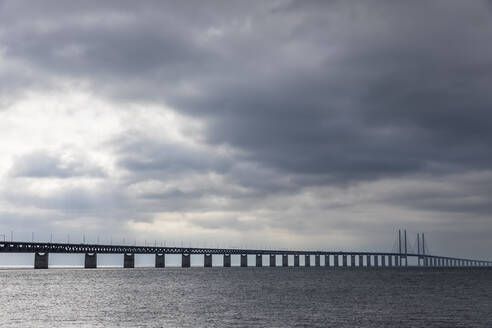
(245, 297)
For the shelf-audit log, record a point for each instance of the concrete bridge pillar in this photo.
(352, 260)
(344, 260)
(395, 258)
(227, 260)
(273, 260)
(259, 260)
(296, 260)
(361, 261)
(185, 260)
(129, 260)
(383, 260)
(285, 260)
(90, 261)
(41, 260)
(307, 260)
(244, 260)
(327, 260)
(207, 260)
(390, 261)
(368, 261)
(317, 260)
(160, 261)
(376, 261)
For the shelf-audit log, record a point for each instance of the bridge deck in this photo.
(33, 247)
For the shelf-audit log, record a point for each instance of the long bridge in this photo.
(335, 259)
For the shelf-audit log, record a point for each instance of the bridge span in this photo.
(333, 259)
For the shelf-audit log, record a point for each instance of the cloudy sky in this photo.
(287, 124)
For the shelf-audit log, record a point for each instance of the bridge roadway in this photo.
(332, 258)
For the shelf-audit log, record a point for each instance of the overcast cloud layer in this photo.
(289, 124)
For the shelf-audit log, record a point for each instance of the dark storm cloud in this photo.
(346, 91)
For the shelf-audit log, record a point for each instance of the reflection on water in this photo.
(246, 297)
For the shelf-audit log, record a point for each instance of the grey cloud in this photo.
(375, 93)
(310, 93)
(44, 165)
(141, 154)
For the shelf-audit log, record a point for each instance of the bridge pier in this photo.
(395, 258)
(368, 261)
(376, 261)
(307, 260)
(259, 260)
(227, 260)
(390, 261)
(41, 260)
(352, 261)
(207, 260)
(273, 260)
(244, 260)
(296, 260)
(327, 260)
(129, 260)
(383, 260)
(317, 261)
(344, 260)
(185, 260)
(285, 260)
(336, 260)
(361, 261)
(90, 261)
(160, 261)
